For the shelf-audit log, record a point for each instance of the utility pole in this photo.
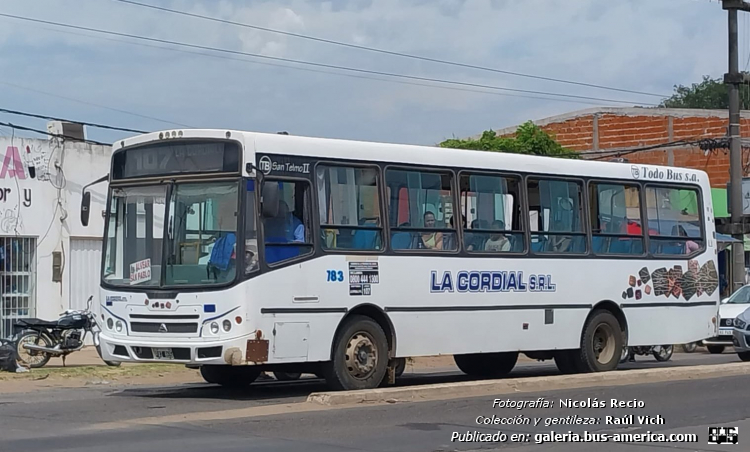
(734, 79)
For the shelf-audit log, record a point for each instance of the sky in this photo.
(639, 45)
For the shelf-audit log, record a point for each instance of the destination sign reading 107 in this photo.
(170, 158)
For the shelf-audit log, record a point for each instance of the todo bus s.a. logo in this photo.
(265, 164)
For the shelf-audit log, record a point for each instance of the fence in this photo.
(17, 281)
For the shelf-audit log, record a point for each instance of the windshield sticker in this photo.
(140, 271)
(674, 282)
(489, 281)
(361, 277)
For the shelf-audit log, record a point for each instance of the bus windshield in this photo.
(196, 245)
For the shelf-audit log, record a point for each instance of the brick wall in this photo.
(618, 131)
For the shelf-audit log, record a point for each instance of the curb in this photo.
(446, 391)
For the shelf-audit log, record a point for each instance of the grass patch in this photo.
(100, 372)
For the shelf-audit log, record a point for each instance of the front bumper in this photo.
(231, 351)
(722, 339)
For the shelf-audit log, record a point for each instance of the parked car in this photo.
(741, 336)
(728, 311)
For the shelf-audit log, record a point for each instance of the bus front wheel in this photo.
(230, 376)
(360, 356)
(601, 343)
(487, 365)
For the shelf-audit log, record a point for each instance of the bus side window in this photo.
(558, 208)
(419, 210)
(494, 203)
(615, 213)
(287, 235)
(349, 208)
(674, 221)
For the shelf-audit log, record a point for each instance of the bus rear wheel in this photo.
(601, 343)
(230, 376)
(360, 356)
(487, 365)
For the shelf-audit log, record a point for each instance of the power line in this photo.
(92, 104)
(56, 135)
(310, 63)
(388, 52)
(318, 71)
(706, 144)
(51, 118)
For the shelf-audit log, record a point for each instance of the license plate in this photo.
(163, 353)
(726, 332)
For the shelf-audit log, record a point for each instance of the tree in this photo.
(529, 139)
(708, 94)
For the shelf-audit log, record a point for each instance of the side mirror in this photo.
(85, 208)
(270, 199)
(724, 301)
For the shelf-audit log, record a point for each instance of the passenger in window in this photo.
(690, 245)
(431, 240)
(497, 242)
(295, 230)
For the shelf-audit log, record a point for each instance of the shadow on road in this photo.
(294, 391)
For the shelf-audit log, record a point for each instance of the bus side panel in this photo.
(651, 325)
(424, 334)
(443, 305)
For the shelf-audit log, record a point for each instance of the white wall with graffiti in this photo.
(40, 195)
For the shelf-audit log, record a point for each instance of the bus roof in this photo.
(269, 143)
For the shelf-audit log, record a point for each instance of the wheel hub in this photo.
(604, 344)
(361, 356)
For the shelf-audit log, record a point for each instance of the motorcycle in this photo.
(662, 353)
(40, 340)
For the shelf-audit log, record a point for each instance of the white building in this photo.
(49, 262)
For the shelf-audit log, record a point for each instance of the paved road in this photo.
(52, 420)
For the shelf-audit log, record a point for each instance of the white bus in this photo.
(240, 252)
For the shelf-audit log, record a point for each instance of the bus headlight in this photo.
(118, 326)
(227, 325)
(214, 328)
(110, 324)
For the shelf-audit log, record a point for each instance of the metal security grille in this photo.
(17, 281)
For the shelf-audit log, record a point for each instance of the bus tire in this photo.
(715, 349)
(230, 376)
(487, 365)
(566, 361)
(360, 356)
(601, 343)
